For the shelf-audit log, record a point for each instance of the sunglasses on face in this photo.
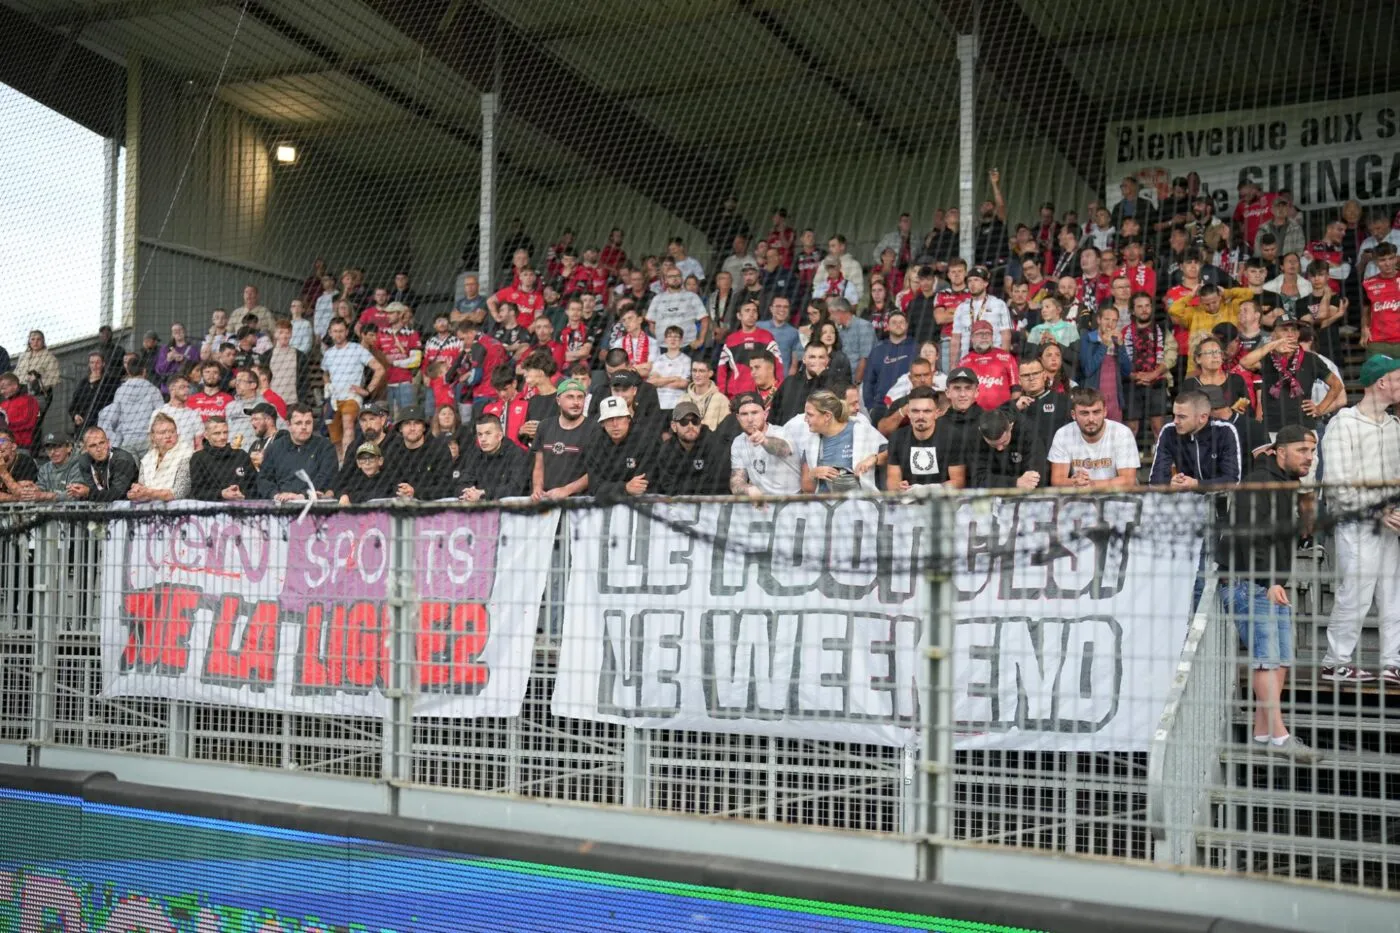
(688, 421)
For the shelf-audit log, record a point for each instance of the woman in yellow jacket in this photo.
(1199, 313)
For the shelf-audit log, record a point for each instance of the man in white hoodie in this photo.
(1362, 446)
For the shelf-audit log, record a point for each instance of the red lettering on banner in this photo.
(255, 662)
(158, 629)
(450, 642)
(355, 657)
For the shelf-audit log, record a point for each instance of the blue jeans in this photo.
(401, 395)
(1265, 628)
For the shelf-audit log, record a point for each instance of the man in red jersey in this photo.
(613, 256)
(945, 307)
(1330, 249)
(1253, 209)
(733, 376)
(995, 368)
(527, 297)
(1380, 312)
(1138, 272)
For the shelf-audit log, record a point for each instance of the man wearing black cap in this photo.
(1288, 373)
(491, 469)
(419, 465)
(1256, 552)
(646, 421)
(219, 472)
(58, 470)
(921, 452)
(615, 362)
(693, 462)
(622, 462)
(1010, 456)
(963, 415)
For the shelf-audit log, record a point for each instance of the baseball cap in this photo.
(368, 449)
(962, 374)
(1285, 323)
(571, 385)
(1291, 434)
(55, 439)
(749, 264)
(376, 408)
(1377, 366)
(412, 414)
(613, 407)
(153, 335)
(748, 398)
(1215, 395)
(261, 408)
(979, 272)
(684, 408)
(626, 379)
(983, 325)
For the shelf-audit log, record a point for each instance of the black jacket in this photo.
(109, 480)
(792, 395)
(282, 459)
(1262, 535)
(703, 470)
(1000, 469)
(500, 475)
(427, 468)
(214, 469)
(610, 465)
(361, 488)
(1211, 455)
(89, 398)
(962, 427)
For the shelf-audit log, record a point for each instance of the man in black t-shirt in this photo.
(1010, 456)
(921, 452)
(694, 462)
(1288, 373)
(558, 469)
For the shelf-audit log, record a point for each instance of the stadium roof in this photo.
(674, 97)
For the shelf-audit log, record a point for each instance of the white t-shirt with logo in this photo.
(774, 476)
(682, 309)
(1116, 450)
(344, 368)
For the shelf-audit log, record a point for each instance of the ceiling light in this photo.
(286, 154)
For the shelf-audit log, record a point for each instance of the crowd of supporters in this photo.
(1153, 342)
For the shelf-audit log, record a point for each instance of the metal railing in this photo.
(1027, 742)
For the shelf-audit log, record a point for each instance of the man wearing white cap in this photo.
(620, 463)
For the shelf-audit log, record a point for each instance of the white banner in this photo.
(1325, 153)
(808, 620)
(274, 613)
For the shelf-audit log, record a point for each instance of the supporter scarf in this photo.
(575, 335)
(1147, 348)
(638, 347)
(1287, 369)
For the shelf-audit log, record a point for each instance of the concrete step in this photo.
(1370, 763)
(1370, 865)
(1322, 817)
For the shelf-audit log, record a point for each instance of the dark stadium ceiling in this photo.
(673, 97)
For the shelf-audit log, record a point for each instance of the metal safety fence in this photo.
(1060, 673)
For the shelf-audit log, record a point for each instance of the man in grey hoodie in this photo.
(1362, 446)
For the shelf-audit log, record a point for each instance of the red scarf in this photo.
(1147, 349)
(1287, 369)
(638, 348)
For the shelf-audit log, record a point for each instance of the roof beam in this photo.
(868, 112)
(63, 75)
(1010, 48)
(545, 93)
(77, 16)
(364, 75)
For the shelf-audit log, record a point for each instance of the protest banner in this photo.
(808, 619)
(279, 613)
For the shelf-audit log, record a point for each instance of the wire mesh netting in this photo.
(906, 243)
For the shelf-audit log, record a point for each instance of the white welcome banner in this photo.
(809, 619)
(1325, 153)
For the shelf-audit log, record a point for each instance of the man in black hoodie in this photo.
(490, 469)
(217, 471)
(421, 465)
(622, 462)
(1010, 456)
(694, 462)
(962, 417)
(791, 399)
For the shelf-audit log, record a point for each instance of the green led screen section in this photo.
(101, 868)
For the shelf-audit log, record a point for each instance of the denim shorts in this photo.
(1265, 629)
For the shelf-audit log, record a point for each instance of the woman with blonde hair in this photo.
(841, 452)
(165, 468)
